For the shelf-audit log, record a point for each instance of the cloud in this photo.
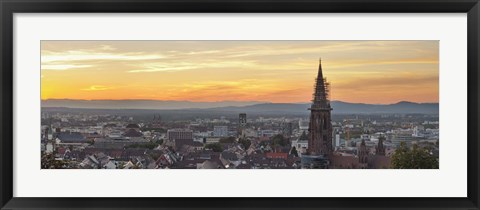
(181, 66)
(204, 52)
(64, 67)
(359, 48)
(82, 56)
(97, 88)
(84, 59)
(214, 70)
(246, 90)
(360, 63)
(107, 47)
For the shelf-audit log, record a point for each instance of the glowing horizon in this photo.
(373, 72)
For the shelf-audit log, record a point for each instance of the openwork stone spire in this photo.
(320, 127)
(321, 94)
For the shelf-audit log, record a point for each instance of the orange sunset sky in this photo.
(378, 72)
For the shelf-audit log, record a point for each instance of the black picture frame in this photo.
(10, 7)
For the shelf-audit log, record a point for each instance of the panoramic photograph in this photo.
(239, 104)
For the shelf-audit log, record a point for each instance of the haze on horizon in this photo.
(372, 72)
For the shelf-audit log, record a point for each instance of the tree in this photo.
(415, 158)
(216, 147)
(304, 136)
(49, 162)
(155, 156)
(227, 140)
(279, 139)
(121, 165)
(245, 142)
(294, 152)
(159, 141)
(148, 145)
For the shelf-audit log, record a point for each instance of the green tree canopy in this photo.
(230, 139)
(245, 142)
(216, 147)
(148, 145)
(414, 158)
(280, 140)
(49, 162)
(294, 151)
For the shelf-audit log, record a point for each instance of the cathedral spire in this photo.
(320, 73)
(320, 95)
(320, 127)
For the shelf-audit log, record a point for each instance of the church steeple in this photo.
(320, 73)
(363, 152)
(320, 96)
(380, 150)
(320, 127)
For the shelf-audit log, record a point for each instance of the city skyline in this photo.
(375, 72)
(269, 139)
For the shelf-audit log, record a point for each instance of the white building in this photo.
(401, 135)
(266, 133)
(179, 133)
(249, 132)
(337, 140)
(220, 131)
(301, 146)
(303, 125)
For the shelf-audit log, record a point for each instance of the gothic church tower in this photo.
(320, 128)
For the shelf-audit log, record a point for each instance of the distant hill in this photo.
(140, 104)
(403, 107)
(252, 107)
(339, 107)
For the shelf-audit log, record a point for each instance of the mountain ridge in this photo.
(339, 107)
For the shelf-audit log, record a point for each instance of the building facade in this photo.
(220, 131)
(173, 134)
